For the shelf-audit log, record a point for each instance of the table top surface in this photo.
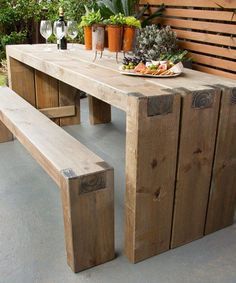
(102, 78)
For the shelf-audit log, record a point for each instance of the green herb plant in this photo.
(118, 19)
(131, 21)
(91, 17)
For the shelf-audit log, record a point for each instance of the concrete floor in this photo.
(31, 228)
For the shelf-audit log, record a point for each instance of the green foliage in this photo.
(113, 7)
(16, 21)
(176, 57)
(2, 79)
(152, 42)
(91, 17)
(118, 19)
(132, 22)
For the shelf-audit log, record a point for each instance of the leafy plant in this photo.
(113, 7)
(91, 17)
(132, 22)
(118, 19)
(176, 57)
(152, 42)
(156, 14)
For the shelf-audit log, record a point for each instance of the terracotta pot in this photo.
(98, 37)
(115, 35)
(106, 37)
(88, 38)
(129, 37)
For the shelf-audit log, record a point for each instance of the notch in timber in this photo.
(87, 183)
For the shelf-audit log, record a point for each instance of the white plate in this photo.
(132, 73)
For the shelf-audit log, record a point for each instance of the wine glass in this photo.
(59, 29)
(46, 31)
(72, 31)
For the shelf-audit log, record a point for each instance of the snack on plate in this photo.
(155, 68)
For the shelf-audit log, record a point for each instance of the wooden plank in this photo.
(199, 14)
(227, 4)
(99, 111)
(222, 202)
(21, 79)
(199, 25)
(51, 146)
(58, 112)
(46, 92)
(212, 61)
(214, 71)
(208, 49)
(69, 96)
(87, 187)
(151, 153)
(207, 38)
(88, 222)
(196, 150)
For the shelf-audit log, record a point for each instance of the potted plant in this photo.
(115, 32)
(154, 42)
(131, 25)
(88, 20)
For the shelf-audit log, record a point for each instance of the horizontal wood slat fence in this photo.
(206, 28)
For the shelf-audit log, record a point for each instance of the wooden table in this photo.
(180, 143)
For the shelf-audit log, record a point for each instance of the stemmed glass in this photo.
(46, 31)
(59, 29)
(72, 31)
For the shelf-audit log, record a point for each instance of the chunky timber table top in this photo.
(102, 78)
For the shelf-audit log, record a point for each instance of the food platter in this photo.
(135, 74)
(153, 69)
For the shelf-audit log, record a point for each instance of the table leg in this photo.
(222, 201)
(5, 134)
(69, 96)
(151, 156)
(99, 111)
(21, 80)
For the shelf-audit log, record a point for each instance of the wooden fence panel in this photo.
(206, 28)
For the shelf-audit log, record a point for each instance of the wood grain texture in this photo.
(46, 89)
(227, 4)
(151, 152)
(21, 80)
(214, 71)
(88, 202)
(57, 112)
(88, 222)
(199, 14)
(200, 25)
(208, 49)
(69, 96)
(5, 134)
(222, 202)
(99, 111)
(196, 151)
(223, 40)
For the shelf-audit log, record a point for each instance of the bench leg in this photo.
(151, 154)
(99, 111)
(5, 134)
(88, 218)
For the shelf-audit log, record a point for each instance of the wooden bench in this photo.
(85, 180)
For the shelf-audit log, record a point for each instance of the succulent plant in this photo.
(153, 43)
